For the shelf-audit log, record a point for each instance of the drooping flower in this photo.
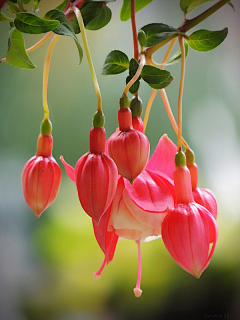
(95, 175)
(189, 231)
(138, 209)
(129, 148)
(41, 176)
(203, 196)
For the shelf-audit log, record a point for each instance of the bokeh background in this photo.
(46, 265)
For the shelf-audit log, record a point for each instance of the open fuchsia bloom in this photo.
(138, 209)
(95, 175)
(189, 231)
(129, 148)
(41, 176)
(203, 196)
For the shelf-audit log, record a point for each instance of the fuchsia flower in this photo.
(203, 196)
(138, 209)
(189, 231)
(129, 148)
(95, 175)
(41, 176)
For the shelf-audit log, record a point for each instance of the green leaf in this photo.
(26, 1)
(29, 23)
(16, 55)
(62, 5)
(158, 32)
(156, 78)
(134, 87)
(231, 5)
(190, 5)
(204, 40)
(133, 66)
(116, 62)
(96, 15)
(125, 13)
(64, 28)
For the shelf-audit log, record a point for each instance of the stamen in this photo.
(97, 275)
(137, 291)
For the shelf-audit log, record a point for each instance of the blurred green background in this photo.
(46, 265)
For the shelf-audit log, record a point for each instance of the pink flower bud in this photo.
(129, 148)
(41, 177)
(189, 229)
(137, 124)
(96, 176)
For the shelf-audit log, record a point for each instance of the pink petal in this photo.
(151, 192)
(162, 159)
(69, 169)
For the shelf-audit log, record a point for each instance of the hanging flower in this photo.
(189, 231)
(129, 148)
(95, 176)
(41, 176)
(203, 196)
(138, 209)
(136, 107)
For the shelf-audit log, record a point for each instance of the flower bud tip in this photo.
(137, 292)
(96, 276)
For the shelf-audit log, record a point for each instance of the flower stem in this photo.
(154, 92)
(137, 74)
(85, 43)
(45, 75)
(134, 30)
(180, 97)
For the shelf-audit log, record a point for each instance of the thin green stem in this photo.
(137, 74)
(85, 43)
(180, 97)
(45, 75)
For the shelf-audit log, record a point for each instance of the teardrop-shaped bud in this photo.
(96, 176)
(187, 232)
(41, 177)
(129, 148)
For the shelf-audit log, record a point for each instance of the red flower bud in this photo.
(41, 177)
(129, 148)
(188, 229)
(96, 176)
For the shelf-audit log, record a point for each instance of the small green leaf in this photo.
(29, 23)
(62, 5)
(64, 28)
(97, 15)
(16, 55)
(125, 13)
(133, 66)
(158, 32)
(190, 5)
(26, 1)
(231, 5)
(134, 87)
(116, 62)
(156, 78)
(205, 40)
